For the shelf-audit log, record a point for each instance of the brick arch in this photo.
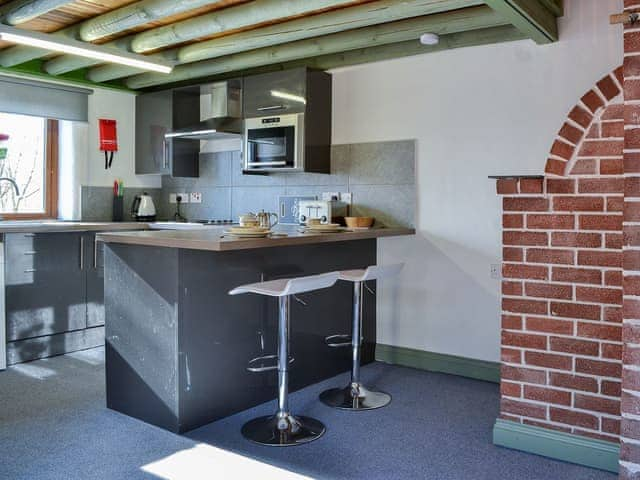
(562, 286)
(602, 101)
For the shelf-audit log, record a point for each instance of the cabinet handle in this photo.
(30, 270)
(266, 164)
(166, 155)
(272, 107)
(81, 253)
(31, 252)
(95, 253)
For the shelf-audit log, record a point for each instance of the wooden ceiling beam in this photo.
(443, 23)
(252, 13)
(109, 23)
(485, 36)
(232, 18)
(130, 16)
(531, 17)
(554, 6)
(313, 26)
(21, 11)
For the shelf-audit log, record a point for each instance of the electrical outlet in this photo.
(195, 197)
(184, 197)
(330, 195)
(346, 197)
(495, 271)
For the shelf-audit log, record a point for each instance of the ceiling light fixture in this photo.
(429, 39)
(82, 49)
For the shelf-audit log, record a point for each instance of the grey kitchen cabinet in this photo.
(275, 93)
(54, 289)
(156, 114)
(45, 285)
(154, 118)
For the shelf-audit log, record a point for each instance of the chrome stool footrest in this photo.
(265, 368)
(335, 341)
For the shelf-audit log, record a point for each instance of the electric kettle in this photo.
(143, 209)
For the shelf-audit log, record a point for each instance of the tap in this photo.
(15, 186)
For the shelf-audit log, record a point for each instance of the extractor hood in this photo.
(220, 113)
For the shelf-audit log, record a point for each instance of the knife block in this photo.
(118, 209)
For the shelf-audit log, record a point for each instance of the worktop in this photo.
(55, 226)
(214, 238)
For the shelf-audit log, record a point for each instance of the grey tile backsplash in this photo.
(381, 176)
(97, 202)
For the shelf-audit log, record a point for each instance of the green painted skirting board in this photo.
(439, 362)
(561, 446)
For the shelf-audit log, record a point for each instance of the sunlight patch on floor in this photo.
(204, 462)
(32, 370)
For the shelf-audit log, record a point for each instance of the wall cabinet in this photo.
(154, 117)
(275, 93)
(295, 91)
(156, 114)
(53, 287)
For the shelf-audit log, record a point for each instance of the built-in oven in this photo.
(274, 143)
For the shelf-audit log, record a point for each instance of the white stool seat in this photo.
(284, 428)
(288, 286)
(374, 272)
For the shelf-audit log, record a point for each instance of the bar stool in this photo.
(283, 428)
(356, 396)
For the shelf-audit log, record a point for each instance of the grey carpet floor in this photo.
(54, 425)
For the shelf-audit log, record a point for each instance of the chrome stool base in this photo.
(297, 430)
(354, 397)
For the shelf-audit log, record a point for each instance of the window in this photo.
(28, 155)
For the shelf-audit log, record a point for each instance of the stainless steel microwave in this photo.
(274, 144)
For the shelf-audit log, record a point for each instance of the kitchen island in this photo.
(178, 346)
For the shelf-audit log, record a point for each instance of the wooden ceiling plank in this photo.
(236, 17)
(243, 15)
(21, 11)
(530, 17)
(442, 23)
(125, 17)
(308, 27)
(485, 36)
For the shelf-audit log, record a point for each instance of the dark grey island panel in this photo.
(178, 345)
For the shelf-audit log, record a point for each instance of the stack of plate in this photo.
(323, 228)
(248, 232)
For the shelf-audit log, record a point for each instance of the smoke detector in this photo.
(429, 39)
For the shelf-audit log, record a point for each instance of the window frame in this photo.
(51, 178)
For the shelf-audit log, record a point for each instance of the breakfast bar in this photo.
(178, 347)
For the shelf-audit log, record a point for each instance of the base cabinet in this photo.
(53, 292)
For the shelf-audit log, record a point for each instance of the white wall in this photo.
(475, 112)
(119, 106)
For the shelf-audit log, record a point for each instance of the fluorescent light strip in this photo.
(82, 49)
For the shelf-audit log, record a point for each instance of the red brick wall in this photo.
(562, 276)
(630, 428)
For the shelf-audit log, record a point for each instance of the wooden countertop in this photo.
(54, 226)
(214, 239)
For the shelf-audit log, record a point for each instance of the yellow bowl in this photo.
(359, 222)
